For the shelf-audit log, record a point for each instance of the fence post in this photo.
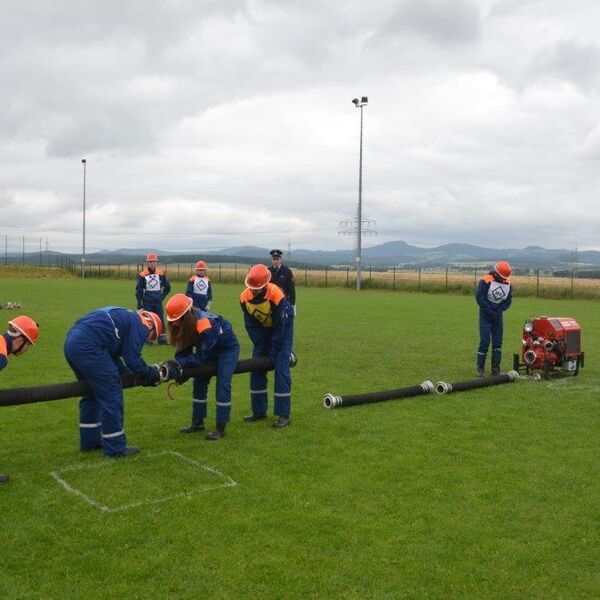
(305, 276)
(219, 272)
(370, 276)
(347, 276)
(475, 277)
(394, 278)
(419, 281)
(235, 273)
(325, 275)
(537, 284)
(572, 275)
(446, 280)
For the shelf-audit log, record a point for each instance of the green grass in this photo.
(489, 494)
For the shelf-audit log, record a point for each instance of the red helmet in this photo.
(503, 269)
(150, 319)
(177, 306)
(151, 256)
(258, 276)
(201, 265)
(26, 327)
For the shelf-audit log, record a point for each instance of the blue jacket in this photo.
(151, 287)
(122, 333)
(6, 344)
(213, 332)
(494, 295)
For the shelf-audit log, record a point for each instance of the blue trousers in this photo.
(283, 379)
(225, 353)
(490, 329)
(101, 413)
(155, 307)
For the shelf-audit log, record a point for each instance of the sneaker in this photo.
(495, 371)
(3, 479)
(480, 372)
(129, 451)
(196, 425)
(282, 422)
(255, 417)
(217, 434)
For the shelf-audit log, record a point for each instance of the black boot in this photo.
(197, 425)
(495, 370)
(480, 372)
(255, 417)
(282, 421)
(218, 433)
(3, 479)
(129, 451)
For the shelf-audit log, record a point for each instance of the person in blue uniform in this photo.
(269, 321)
(494, 296)
(151, 288)
(201, 337)
(100, 347)
(283, 277)
(199, 288)
(22, 333)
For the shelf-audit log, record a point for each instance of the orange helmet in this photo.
(177, 306)
(503, 269)
(151, 256)
(200, 265)
(258, 276)
(150, 319)
(26, 327)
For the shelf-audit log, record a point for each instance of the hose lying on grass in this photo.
(331, 401)
(45, 393)
(441, 387)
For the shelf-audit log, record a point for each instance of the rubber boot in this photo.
(495, 370)
(197, 425)
(480, 372)
(255, 417)
(282, 421)
(218, 433)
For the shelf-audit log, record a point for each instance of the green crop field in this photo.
(491, 493)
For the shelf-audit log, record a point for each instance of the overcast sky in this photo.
(214, 123)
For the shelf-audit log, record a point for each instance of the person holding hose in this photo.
(22, 333)
(200, 337)
(494, 296)
(99, 347)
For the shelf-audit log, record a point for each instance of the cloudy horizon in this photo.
(211, 124)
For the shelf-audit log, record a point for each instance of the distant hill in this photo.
(396, 253)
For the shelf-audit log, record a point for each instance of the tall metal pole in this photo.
(84, 162)
(359, 216)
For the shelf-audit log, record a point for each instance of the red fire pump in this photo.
(551, 347)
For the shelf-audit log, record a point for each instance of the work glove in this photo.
(171, 370)
(153, 379)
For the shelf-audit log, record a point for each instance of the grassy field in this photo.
(484, 494)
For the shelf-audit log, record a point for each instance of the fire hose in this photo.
(331, 401)
(59, 391)
(441, 387)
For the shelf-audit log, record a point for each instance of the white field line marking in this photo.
(228, 482)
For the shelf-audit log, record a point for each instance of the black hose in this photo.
(59, 391)
(331, 401)
(441, 387)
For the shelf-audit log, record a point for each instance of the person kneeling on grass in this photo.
(202, 337)
(22, 333)
(94, 348)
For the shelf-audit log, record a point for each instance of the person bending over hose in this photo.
(99, 348)
(201, 337)
(22, 333)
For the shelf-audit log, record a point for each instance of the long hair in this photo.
(184, 334)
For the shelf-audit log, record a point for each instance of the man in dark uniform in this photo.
(283, 277)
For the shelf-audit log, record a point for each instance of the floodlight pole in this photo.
(84, 163)
(359, 104)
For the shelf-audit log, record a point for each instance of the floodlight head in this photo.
(355, 101)
(83, 161)
(364, 100)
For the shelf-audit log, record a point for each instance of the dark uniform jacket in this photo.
(283, 278)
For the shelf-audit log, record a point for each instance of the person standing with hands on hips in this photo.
(269, 321)
(283, 277)
(494, 296)
(152, 287)
(22, 333)
(199, 288)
